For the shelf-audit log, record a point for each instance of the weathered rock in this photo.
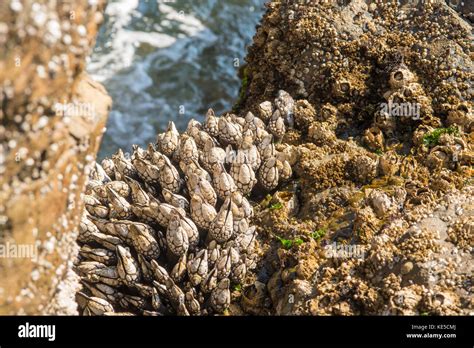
(374, 190)
(52, 119)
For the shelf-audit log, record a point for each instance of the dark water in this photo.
(169, 60)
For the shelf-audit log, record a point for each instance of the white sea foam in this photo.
(123, 43)
(119, 56)
(103, 66)
(153, 59)
(187, 23)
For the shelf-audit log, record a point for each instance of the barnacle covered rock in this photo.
(380, 202)
(304, 114)
(374, 139)
(385, 90)
(389, 163)
(321, 133)
(362, 168)
(400, 76)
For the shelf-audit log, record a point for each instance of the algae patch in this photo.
(432, 138)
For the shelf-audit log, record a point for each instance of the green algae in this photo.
(432, 138)
(243, 89)
(317, 235)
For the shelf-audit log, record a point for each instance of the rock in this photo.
(294, 297)
(52, 118)
(368, 180)
(406, 268)
(381, 203)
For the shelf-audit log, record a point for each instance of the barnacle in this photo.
(179, 240)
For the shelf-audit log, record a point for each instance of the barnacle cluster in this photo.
(168, 229)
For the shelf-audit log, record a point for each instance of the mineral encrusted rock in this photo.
(45, 153)
(393, 193)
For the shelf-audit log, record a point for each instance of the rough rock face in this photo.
(344, 54)
(52, 118)
(378, 216)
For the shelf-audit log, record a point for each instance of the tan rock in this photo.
(44, 169)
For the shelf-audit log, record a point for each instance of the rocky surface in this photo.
(378, 217)
(52, 117)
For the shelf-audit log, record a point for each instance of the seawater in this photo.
(167, 60)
